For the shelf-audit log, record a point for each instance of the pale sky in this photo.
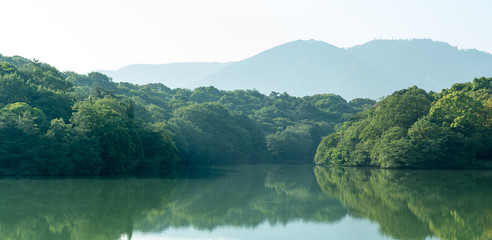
(86, 35)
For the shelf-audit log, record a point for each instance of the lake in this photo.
(265, 201)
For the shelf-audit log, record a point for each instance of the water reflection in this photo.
(245, 196)
(253, 199)
(415, 204)
(78, 209)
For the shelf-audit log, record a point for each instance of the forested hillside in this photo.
(45, 130)
(413, 128)
(210, 125)
(64, 123)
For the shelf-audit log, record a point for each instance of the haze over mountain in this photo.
(374, 69)
(173, 75)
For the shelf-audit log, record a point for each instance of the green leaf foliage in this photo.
(94, 126)
(415, 129)
(207, 132)
(45, 131)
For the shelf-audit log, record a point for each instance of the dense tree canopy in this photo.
(246, 118)
(415, 129)
(45, 131)
(64, 123)
(207, 132)
(58, 123)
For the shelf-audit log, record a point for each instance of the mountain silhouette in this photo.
(306, 67)
(173, 75)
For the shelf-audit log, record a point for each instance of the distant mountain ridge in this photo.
(173, 75)
(374, 69)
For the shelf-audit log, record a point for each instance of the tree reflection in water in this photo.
(413, 204)
(406, 204)
(207, 198)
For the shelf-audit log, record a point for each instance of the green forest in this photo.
(56, 123)
(413, 128)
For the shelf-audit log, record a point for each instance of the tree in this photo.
(107, 121)
(207, 132)
(20, 127)
(459, 112)
(408, 130)
(293, 143)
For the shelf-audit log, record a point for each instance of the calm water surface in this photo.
(293, 201)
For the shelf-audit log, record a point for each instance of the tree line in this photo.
(413, 128)
(63, 123)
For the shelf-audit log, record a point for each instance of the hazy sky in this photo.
(86, 35)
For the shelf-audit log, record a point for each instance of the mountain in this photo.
(428, 64)
(374, 69)
(299, 68)
(173, 75)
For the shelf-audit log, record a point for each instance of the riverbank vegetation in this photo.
(415, 129)
(63, 123)
(56, 123)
